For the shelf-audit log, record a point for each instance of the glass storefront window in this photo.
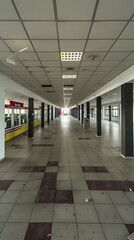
(8, 113)
(23, 116)
(16, 117)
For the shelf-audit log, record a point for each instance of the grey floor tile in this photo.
(64, 213)
(17, 185)
(5, 210)
(63, 185)
(51, 169)
(42, 212)
(126, 212)
(10, 197)
(86, 213)
(22, 176)
(64, 231)
(100, 197)
(90, 232)
(35, 176)
(115, 231)
(118, 197)
(107, 213)
(32, 185)
(27, 197)
(21, 213)
(83, 197)
(14, 231)
(63, 176)
(79, 185)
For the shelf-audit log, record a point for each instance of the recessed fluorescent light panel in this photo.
(71, 56)
(69, 76)
(68, 88)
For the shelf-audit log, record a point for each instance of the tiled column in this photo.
(88, 111)
(52, 113)
(127, 120)
(2, 123)
(82, 112)
(98, 115)
(30, 117)
(109, 113)
(48, 114)
(42, 114)
(79, 112)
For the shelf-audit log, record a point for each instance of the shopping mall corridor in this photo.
(66, 184)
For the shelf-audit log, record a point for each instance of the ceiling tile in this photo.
(41, 30)
(114, 10)
(116, 56)
(28, 56)
(90, 63)
(73, 30)
(51, 63)
(127, 63)
(12, 30)
(4, 55)
(130, 57)
(45, 45)
(104, 69)
(3, 47)
(7, 11)
(72, 45)
(109, 63)
(35, 9)
(128, 32)
(123, 45)
(49, 56)
(97, 56)
(75, 9)
(36, 69)
(16, 45)
(70, 64)
(99, 45)
(32, 63)
(106, 30)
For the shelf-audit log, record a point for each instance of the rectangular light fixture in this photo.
(71, 56)
(67, 94)
(68, 88)
(69, 76)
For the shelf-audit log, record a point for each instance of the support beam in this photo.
(110, 113)
(98, 115)
(48, 114)
(88, 111)
(127, 120)
(51, 113)
(79, 112)
(82, 113)
(30, 117)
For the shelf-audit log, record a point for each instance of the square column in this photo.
(109, 113)
(88, 111)
(48, 114)
(2, 123)
(30, 117)
(98, 115)
(127, 120)
(82, 113)
(79, 112)
(52, 113)
(42, 114)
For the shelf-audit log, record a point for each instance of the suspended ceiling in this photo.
(102, 30)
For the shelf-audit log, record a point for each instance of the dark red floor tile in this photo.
(39, 169)
(4, 184)
(94, 169)
(130, 228)
(110, 185)
(27, 169)
(52, 164)
(65, 196)
(49, 181)
(38, 231)
(45, 196)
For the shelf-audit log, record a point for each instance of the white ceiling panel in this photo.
(115, 10)
(16, 45)
(73, 30)
(4, 55)
(32, 63)
(36, 69)
(123, 45)
(72, 45)
(127, 63)
(35, 9)
(41, 30)
(104, 69)
(106, 30)
(12, 30)
(70, 64)
(116, 56)
(3, 47)
(51, 63)
(75, 9)
(68, 81)
(109, 63)
(28, 56)
(7, 11)
(45, 45)
(128, 32)
(49, 56)
(130, 57)
(90, 63)
(53, 69)
(99, 45)
(93, 55)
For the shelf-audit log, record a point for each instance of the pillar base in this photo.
(126, 157)
(98, 136)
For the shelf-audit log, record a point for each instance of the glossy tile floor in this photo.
(67, 184)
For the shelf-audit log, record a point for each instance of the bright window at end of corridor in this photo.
(65, 111)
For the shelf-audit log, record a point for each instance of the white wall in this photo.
(2, 123)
